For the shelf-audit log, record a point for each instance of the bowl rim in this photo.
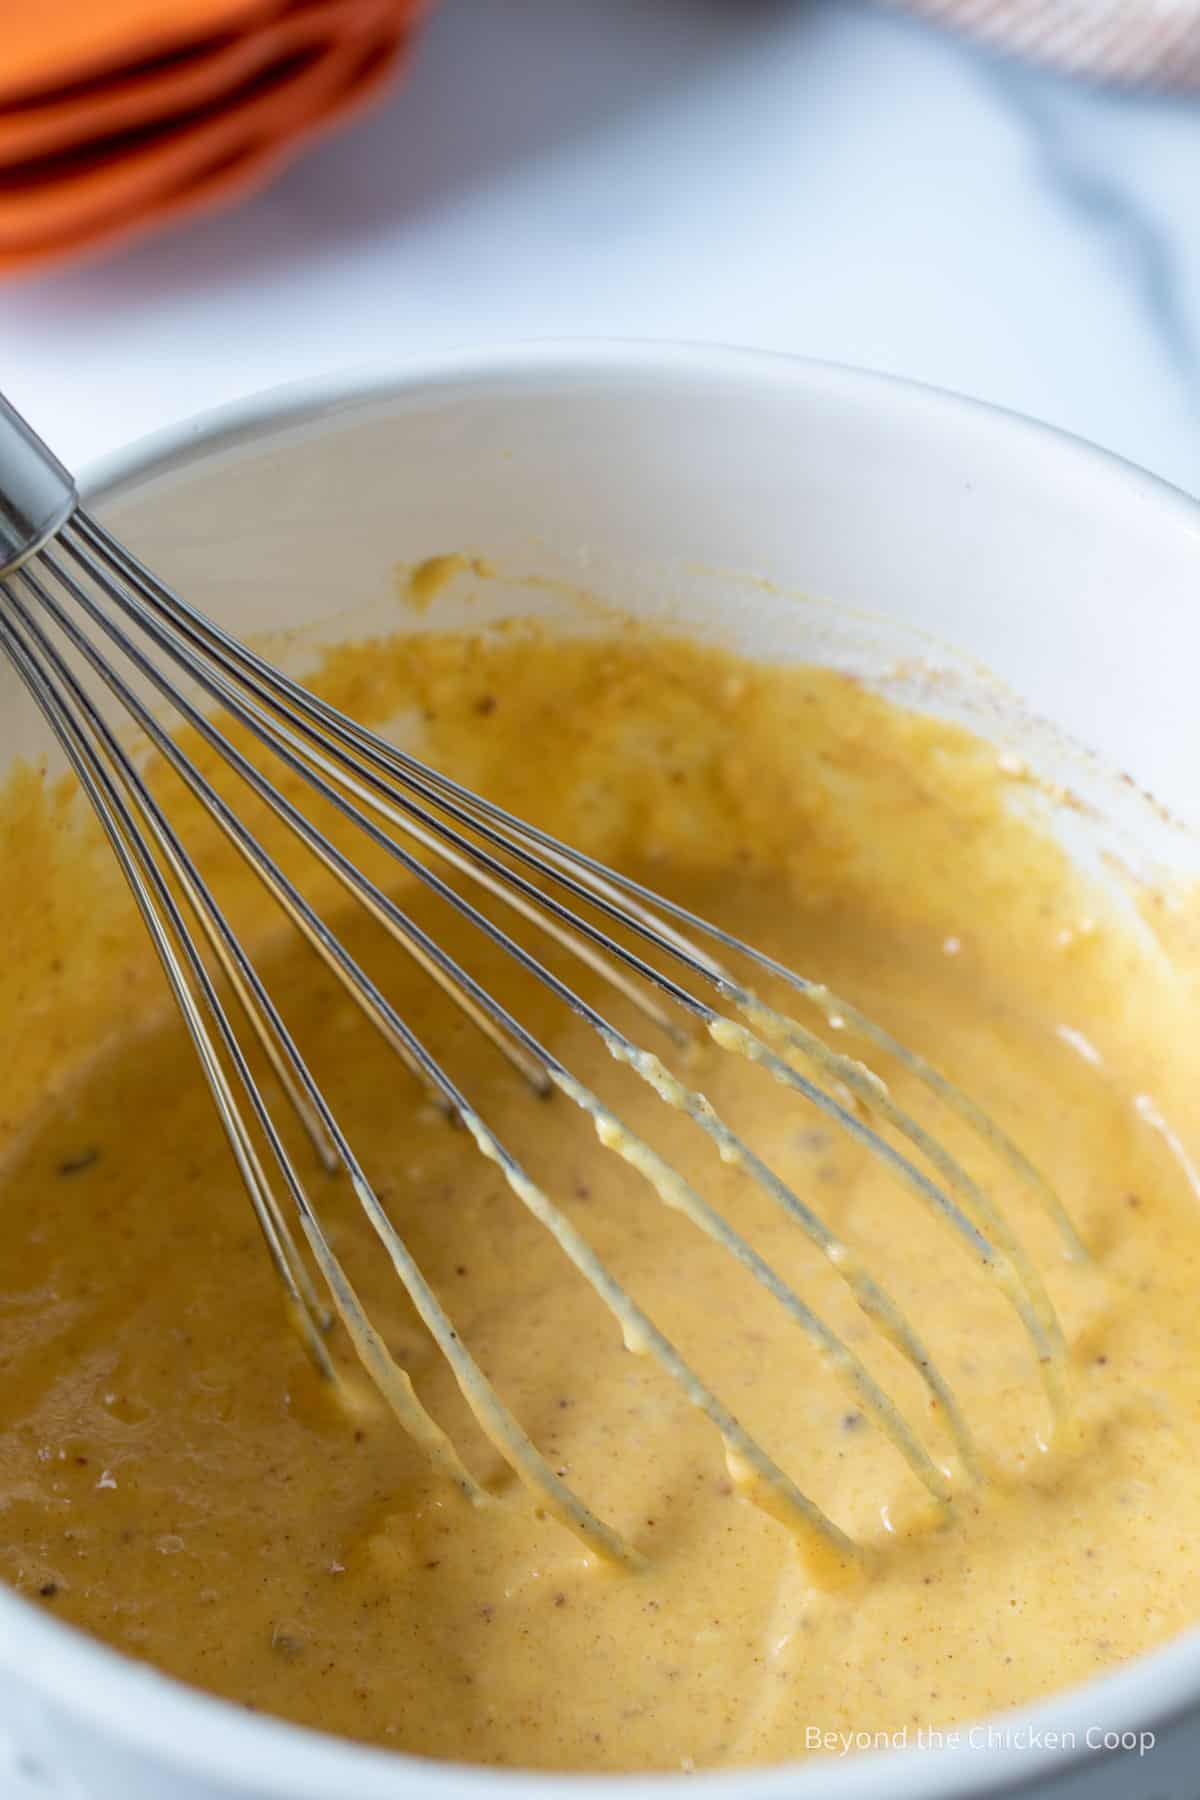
(550, 362)
(145, 1711)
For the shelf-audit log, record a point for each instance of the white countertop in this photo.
(823, 177)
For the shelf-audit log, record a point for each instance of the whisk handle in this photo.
(37, 495)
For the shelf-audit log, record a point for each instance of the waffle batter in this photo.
(174, 1476)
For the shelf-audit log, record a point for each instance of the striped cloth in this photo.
(1148, 43)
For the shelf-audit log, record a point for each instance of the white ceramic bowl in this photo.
(672, 480)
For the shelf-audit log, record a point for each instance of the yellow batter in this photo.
(175, 1477)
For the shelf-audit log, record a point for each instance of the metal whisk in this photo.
(66, 582)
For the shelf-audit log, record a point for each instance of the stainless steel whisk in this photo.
(65, 581)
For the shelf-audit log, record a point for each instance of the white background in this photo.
(817, 177)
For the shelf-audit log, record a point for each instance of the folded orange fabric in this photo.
(61, 42)
(151, 92)
(210, 101)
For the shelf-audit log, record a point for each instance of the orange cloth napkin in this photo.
(116, 115)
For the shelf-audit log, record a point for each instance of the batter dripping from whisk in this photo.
(175, 1477)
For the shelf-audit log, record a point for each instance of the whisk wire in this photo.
(776, 1488)
(867, 1294)
(154, 900)
(998, 1251)
(620, 898)
(638, 1329)
(95, 593)
(1017, 1272)
(625, 900)
(393, 1382)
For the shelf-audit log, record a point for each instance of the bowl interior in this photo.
(962, 560)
